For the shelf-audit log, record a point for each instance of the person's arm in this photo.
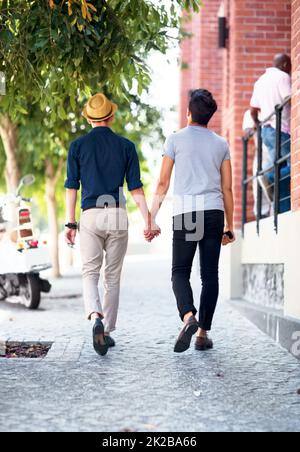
(150, 230)
(165, 176)
(140, 200)
(71, 200)
(255, 115)
(226, 178)
(255, 104)
(72, 185)
(135, 186)
(162, 187)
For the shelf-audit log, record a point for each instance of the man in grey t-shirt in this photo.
(203, 191)
(199, 154)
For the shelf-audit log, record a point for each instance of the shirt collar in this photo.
(198, 128)
(101, 129)
(272, 69)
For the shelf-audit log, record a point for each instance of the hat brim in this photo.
(114, 109)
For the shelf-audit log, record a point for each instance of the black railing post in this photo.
(245, 184)
(275, 169)
(277, 166)
(259, 169)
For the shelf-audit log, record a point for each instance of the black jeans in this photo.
(211, 223)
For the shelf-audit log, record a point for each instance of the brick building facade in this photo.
(257, 31)
(202, 60)
(296, 105)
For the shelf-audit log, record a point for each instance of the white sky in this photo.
(165, 88)
(164, 94)
(164, 91)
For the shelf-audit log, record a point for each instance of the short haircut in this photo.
(202, 106)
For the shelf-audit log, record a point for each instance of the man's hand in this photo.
(250, 132)
(151, 235)
(227, 240)
(152, 230)
(70, 236)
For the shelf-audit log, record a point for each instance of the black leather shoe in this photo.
(203, 343)
(110, 341)
(99, 341)
(185, 337)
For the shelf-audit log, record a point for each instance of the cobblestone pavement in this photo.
(248, 383)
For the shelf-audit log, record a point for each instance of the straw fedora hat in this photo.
(99, 108)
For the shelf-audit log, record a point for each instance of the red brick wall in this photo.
(211, 57)
(204, 59)
(258, 30)
(296, 105)
(190, 61)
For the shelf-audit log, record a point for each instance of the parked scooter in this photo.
(22, 258)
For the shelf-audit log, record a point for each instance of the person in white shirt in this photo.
(272, 89)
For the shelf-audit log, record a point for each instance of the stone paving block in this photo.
(247, 383)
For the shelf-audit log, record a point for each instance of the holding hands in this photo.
(152, 231)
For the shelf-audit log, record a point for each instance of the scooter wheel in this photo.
(32, 294)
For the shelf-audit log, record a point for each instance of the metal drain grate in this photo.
(31, 350)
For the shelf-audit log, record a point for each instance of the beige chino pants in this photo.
(103, 233)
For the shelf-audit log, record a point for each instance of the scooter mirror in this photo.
(25, 181)
(28, 180)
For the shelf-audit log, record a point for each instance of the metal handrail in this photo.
(279, 161)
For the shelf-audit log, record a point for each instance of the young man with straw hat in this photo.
(100, 162)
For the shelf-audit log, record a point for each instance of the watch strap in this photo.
(73, 226)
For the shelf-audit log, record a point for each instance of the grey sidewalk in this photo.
(247, 383)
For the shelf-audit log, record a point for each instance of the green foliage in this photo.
(62, 56)
(38, 139)
(2, 165)
(56, 53)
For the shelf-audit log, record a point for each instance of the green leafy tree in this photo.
(45, 153)
(57, 53)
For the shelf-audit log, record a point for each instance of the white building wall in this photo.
(267, 248)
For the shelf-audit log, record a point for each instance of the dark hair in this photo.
(202, 106)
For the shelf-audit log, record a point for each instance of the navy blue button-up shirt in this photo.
(101, 161)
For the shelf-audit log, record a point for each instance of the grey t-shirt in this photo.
(198, 154)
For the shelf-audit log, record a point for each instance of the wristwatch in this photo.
(73, 226)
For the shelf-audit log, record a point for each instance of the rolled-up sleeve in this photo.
(133, 172)
(73, 170)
